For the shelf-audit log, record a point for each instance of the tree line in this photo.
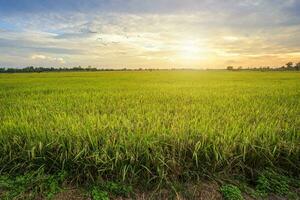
(32, 69)
(290, 66)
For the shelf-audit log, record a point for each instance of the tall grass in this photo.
(150, 126)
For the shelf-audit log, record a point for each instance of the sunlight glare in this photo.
(190, 50)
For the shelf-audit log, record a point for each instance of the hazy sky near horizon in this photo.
(149, 33)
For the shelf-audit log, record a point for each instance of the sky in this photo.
(149, 33)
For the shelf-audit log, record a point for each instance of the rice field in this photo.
(149, 126)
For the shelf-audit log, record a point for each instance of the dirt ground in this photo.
(200, 192)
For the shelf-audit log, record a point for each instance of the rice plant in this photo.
(149, 126)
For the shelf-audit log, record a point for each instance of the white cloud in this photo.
(36, 56)
(40, 57)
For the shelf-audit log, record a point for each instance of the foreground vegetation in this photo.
(150, 128)
(269, 184)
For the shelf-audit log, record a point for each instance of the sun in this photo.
(190, 50)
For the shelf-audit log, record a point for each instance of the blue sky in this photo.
(149, 33)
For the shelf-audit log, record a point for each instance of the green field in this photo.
(149, 126)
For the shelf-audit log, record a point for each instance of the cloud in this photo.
(36, 56)
(138, 33)
(48, 58)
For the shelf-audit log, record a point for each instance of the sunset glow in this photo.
(161, 33)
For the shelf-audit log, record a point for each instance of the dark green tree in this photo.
(289, 65)
(297, 66)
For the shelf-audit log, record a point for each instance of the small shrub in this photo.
(118, 189)
(102, 191)
(30, 185)
(98, 194)
(270, 181)
(231, 192)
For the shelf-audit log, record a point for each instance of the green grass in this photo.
(231, 192)
(149, 127)
(31, 185)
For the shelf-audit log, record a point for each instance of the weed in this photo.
(98, 194)
(113, 188)
(270, 181)
(30, 185)
(117, 189)
(231, 192)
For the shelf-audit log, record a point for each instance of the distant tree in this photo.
(297, 66)
(282, 67)
(229, 68)
(289, 65)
